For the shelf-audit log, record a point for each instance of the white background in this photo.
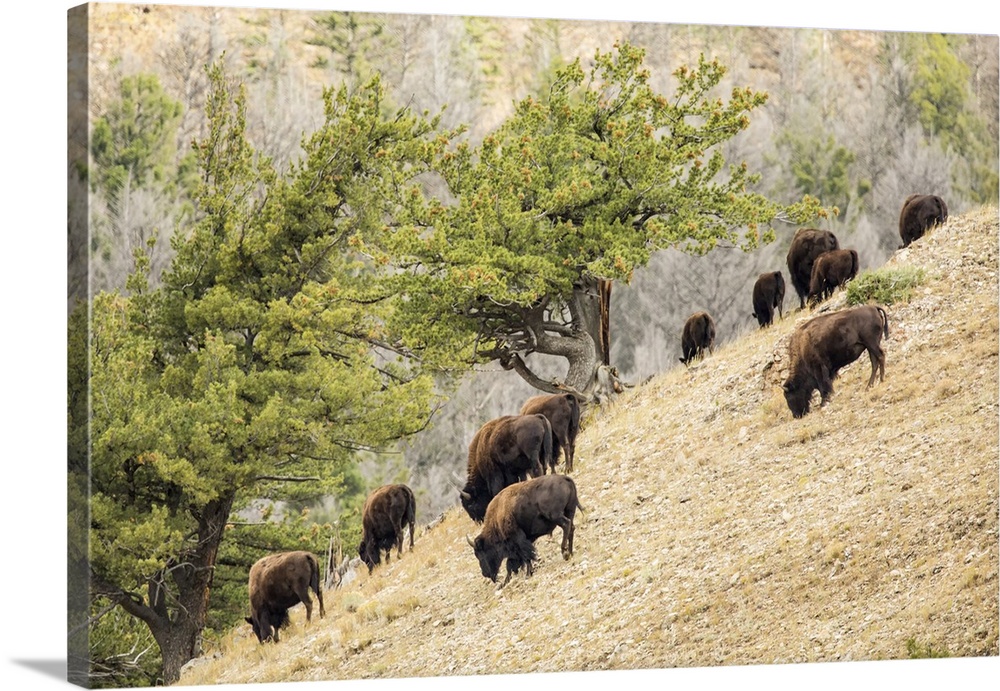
(32, 465)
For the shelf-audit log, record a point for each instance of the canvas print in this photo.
(419, 345)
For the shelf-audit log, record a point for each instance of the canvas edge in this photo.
(78, 297)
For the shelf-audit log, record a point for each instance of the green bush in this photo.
(916, 650)
(884, 286)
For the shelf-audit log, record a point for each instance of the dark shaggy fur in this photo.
(822, 346)
(563, 413)
(277, 582)
(830, 271)
(807, 244)
(920, 212)
(518, 516)
(768, 295)
(698, 336)
(387, 511)
(505, 450)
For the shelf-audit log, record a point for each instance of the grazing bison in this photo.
(563, 413)
(768, 294)
(698, 335)
(824, 344)
(277, 582)
(505, 450)
(830, 271)
(919, 213)
(386, 512)
(807, 244)
(518, 516)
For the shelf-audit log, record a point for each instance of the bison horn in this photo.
(471, 543)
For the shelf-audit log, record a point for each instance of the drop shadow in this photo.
(50, 668)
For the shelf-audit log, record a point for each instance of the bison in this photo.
(518, 516)
(505, 450)
(563, 413)
(277, 582)
(807, 244)
(768, 294)
(698, 335)
(386, 512)
(830, 271)
(920, 212)
(824, 344)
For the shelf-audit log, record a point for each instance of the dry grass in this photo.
(718, 529)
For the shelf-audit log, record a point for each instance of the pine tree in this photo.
(256, 371)
(576, 189)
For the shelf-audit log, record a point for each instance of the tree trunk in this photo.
(177, 605)
(179, 643)
(584, 343)
(590, 308)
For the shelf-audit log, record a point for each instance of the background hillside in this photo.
(719, 530)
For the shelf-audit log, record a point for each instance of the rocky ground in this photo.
(719, 530)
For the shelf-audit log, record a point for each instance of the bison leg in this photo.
(302, 592)
(877, 357)
(307, 601)
(567, 540)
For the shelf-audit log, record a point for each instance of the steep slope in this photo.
(719, 530)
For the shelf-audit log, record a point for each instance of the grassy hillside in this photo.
(719, 530)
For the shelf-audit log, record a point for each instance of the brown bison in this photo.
(563, 413)
(824, 344)
(505, 450)
(518, 516)
(807, 244)
(277, 582)
(698, 335)
(768, 295)
(387, 511)
(830, 271)
(920, 212)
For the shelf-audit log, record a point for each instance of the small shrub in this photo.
(351, 602)
(884, 286)
(834, 552)
(916, 650)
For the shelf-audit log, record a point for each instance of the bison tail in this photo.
(314, 573)
(574, 415)
(885, 322)
(548, 458)
(315, 585)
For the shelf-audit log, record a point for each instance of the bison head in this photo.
(474, 503)
(369, 553)
(262, 629)
(797, 397)
(489, 558)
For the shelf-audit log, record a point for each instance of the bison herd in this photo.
(512, 488)
(817, 267)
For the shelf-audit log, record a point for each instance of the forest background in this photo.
(45, 358)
